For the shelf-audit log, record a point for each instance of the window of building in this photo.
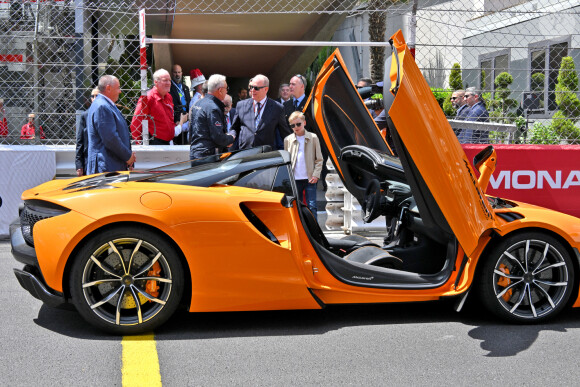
(491, 66)
(545, 60)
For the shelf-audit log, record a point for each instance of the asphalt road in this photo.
(413, 344)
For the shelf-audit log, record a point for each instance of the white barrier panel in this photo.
(22, 169)
(26, 166)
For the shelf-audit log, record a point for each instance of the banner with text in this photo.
(544, 175)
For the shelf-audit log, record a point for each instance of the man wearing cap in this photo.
(181, 98)
(3, 122)
(197, 81)
(28, 131)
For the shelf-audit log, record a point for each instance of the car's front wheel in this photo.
(527, 278)
(126, 280)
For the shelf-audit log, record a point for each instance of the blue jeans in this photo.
(304, 185)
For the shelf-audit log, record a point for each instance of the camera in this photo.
(374, 104)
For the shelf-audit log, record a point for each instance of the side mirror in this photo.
(485, 162)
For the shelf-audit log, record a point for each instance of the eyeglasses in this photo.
(225, 87)
(454, 98)
(298, 124)
(469, 95)
(94, 96)
(257, 88)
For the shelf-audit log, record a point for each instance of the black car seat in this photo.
(353, 248)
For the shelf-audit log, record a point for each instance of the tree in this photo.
(455, 80)
(501, 107)
(568, 104)
(377, 29)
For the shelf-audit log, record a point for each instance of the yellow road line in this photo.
(140, 361)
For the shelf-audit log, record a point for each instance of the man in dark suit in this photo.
(229, 112)
(109, 136)
(181, 98)
(82, 140)
(258, 118)
(297, 96)
(477, 112)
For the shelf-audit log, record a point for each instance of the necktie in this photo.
(295, 104)
(258, 109)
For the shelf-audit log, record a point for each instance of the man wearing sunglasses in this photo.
(306, 159)
(477, 112)
(259, 118)
(458, 102)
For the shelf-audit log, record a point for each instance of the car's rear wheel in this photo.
(527, 278)
(126, 280)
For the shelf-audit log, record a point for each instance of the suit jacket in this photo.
(479, 113)
(177, 106)
(232, 116)
(273, 120)
(109, 138)
(289, 106)
(82, 143)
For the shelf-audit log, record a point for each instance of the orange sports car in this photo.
(226, 233)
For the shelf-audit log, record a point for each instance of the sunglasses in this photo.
(469, 95)
(257, 88)
(298, 124)
(302, 79)
(454, 98)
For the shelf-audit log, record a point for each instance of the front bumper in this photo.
(30, 277)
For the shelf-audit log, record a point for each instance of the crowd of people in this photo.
(205, 118)
(469, 106)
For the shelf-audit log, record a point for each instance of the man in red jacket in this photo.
(157, 109)
(28, 131)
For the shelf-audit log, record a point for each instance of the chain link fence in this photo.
(521, 56)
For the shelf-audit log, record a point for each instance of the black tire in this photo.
(527, 278)
(126, 296)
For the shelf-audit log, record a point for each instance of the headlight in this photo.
(34, 211)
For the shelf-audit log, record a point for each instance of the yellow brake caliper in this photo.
(152, 286)
(505, 282)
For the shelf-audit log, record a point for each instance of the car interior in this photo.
(419, 249)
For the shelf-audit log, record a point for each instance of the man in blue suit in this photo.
(477, 112)
(258, 118)
(109, 136)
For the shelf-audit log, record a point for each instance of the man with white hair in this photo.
(157, 109)
(259, 118)
(109, 138)
(207, 125)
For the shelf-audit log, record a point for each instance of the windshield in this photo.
(207, 171)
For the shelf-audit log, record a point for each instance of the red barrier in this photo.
(544, 175)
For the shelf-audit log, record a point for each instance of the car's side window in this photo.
(259, 179)
(283, 182)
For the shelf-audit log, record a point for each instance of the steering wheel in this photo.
(371, 205)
